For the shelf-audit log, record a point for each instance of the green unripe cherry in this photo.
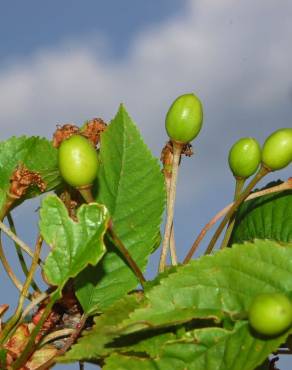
(78, 161)
(244, 157)
(277, 149)
(270, 314)
(184, 118)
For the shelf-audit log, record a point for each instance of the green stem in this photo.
(35, 302)
(260, 174)
(238, 188)
(287, 185)
(15, 238)
(86, 192)
(55, 335)
(20, 253)
(30, 346)
(177, 148)
(24, 293)
(7, 267)
(118, 243)
(5, 229)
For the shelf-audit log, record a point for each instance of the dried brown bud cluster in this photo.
(64, 132)
(167, 156)
(91, 130)
(187, 150)
(22, 178)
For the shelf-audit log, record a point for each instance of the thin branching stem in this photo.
(20, 253)
(86, 192)
(123, 250)
(287, 185)
(8, 268)
(24, 293)
(56, 335)
(17, 240)
(30, 346)
(35, 302)
(172, 246)
(260, 174)
(177, 148)
(239, 184)
(69, 342)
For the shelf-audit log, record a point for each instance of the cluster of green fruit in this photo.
(78, 159)
(246, 155)
(184, 122)
(269, 314)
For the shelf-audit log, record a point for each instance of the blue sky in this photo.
(69, 61)
(28, 26)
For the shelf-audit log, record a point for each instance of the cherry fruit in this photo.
(244, 157)
(184, 118)
(277, 149)
(270, 314)
(78, 161)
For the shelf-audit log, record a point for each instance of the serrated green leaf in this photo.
(93, 343)
(217, 285)
(132, 187)
(74, 244)
(37, 154)
(203, 349)
(267, 217)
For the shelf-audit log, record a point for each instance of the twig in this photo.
(7, 267)
(127, 256)
(172, 246)
(70, 341)
(16, 239)
(24, 293)
(20, 254)
(260, 174)
(86, 192)
(29, 348)
(56, 335)
(177, 148)
(41, 297)
(238, 188)
(287, 185)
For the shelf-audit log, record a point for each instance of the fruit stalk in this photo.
(260, 174)
(172, 246)
(118, 243)
(287, 185)
(86, 192)
(29, 348)
(238, 188)
(177, 148)
(24, 293)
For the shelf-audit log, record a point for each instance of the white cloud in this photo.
(235, 55)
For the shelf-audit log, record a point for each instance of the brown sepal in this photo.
(92, 130)
(64, 132)
(167, 158)
(187, 150)
(22, 178)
